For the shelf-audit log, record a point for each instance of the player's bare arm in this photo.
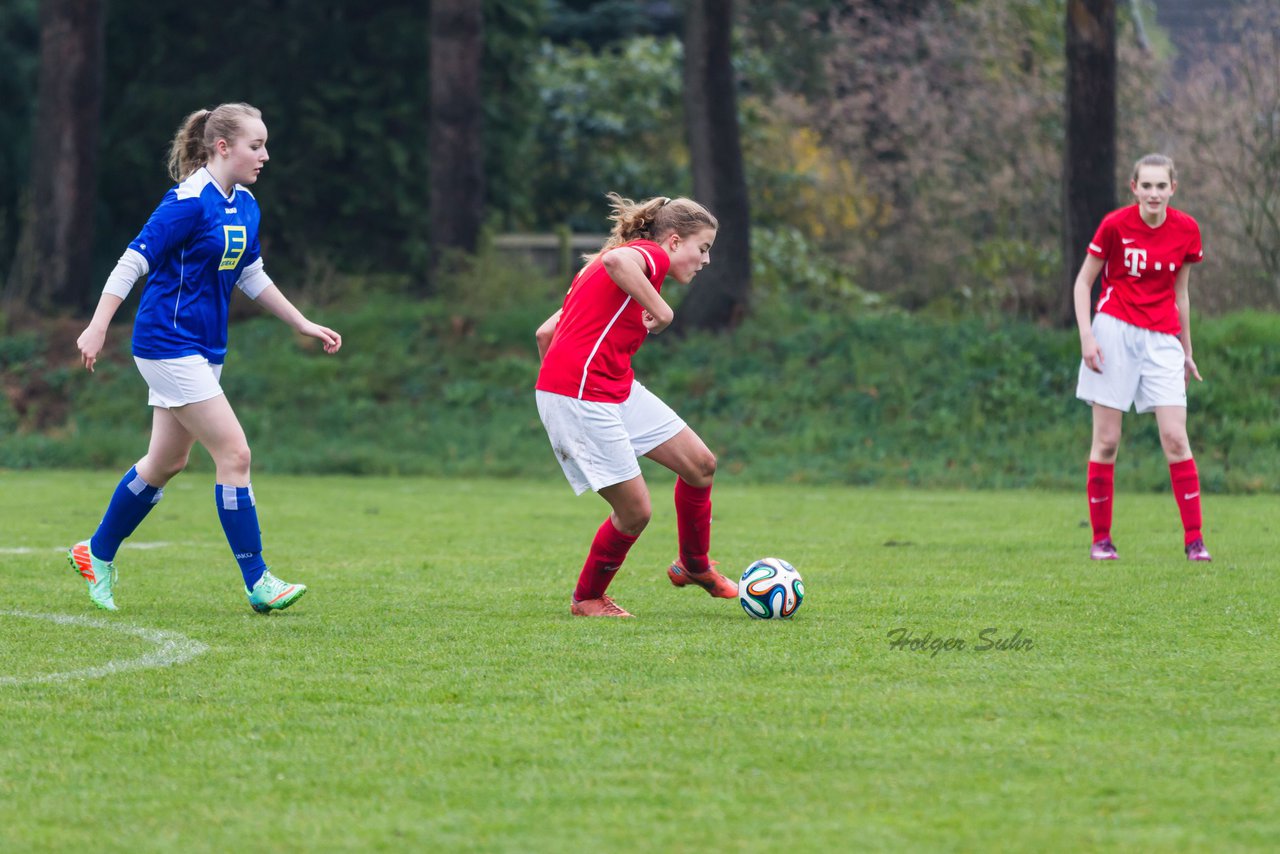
(94, 337)
(1089, 349)
(626, 267)
(278, 304)
(545, 333)
(1182, 296)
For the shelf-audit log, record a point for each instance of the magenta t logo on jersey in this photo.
(1135, 260)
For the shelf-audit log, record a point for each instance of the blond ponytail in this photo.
(653, 219)
(200, 131)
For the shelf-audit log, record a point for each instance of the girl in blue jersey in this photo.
(201, 242)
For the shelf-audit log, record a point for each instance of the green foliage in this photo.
(348, 127)
(511, 108)
(1005, 274)
(950, 137)
(611, 120)
(787, 42)
(791, 276)
(344, 91)
(19, 348)
(818, 385)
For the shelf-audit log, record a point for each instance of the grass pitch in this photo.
(959, 677)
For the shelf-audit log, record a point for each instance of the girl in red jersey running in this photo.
(1138, 348)
(600, 419)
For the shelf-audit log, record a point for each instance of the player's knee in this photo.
(707, 465)
(1106, 444)
(157, 471)
(702, 469)
(236, 458)
(173, 466)
(633, 520)
(1176, 444)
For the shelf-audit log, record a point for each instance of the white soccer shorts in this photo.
(597, 443)
(1139, 367)
(177, 382)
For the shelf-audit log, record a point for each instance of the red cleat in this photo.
(711, 581)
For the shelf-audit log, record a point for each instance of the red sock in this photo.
(1101, 488)
(608, 551)
(1186, 491)
(693, 522)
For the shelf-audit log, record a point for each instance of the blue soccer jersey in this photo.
(197, 244)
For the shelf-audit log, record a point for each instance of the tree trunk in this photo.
(456, 170)
(1089, 165)
(720, 293)
(53, 261)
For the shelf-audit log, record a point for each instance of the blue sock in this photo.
(130, 504)
(239, 516)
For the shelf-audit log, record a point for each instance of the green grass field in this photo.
(431, 692)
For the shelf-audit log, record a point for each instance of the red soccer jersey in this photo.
(598, 332)
(1141, 265)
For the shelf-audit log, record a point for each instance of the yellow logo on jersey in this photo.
(237, 240)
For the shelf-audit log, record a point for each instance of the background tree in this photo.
(719, 178)
(1089, 161)
(866, 127)
(456, 153)
(54, 254)
(19, 64)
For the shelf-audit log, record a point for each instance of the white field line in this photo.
(171, 648)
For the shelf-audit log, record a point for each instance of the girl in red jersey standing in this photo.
(1138, 348)
(600, 419)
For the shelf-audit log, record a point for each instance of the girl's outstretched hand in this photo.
(332, 340)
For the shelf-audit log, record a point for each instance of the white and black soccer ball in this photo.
(771, 589)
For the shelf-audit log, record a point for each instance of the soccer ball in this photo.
(771, 589)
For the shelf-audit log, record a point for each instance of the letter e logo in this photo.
(235, 242)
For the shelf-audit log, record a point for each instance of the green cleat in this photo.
(100, 575)
(272, 594)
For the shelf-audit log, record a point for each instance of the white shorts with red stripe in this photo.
(598, 443)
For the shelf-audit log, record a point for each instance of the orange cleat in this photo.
(99, 574)
(711, 581)
(602, 607)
